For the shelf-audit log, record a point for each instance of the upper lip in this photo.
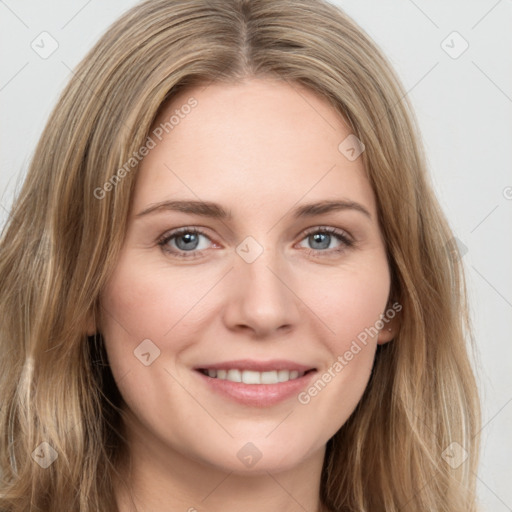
(258, 366)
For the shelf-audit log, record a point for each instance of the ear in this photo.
(390, 329)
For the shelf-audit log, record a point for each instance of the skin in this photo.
(259, 149)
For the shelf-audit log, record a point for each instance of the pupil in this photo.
(323, 239)
(191, 239)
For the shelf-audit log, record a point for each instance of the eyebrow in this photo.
(215, 211)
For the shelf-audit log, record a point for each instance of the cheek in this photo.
(140, 304)
(351, 302)
(149, 303)
(351, 309)
(143, 319)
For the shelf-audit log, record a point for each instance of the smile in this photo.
(253, 377)
(256, 383)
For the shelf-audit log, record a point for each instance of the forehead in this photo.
(251, 143)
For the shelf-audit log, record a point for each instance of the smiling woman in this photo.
(252, 304)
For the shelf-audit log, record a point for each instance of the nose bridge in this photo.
(258, 267)
(262, 297)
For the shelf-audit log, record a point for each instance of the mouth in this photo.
(252, 377)
(256, 383)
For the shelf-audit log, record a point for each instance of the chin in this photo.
(263, 455)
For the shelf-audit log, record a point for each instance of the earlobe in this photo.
(389, 331)
(385, 335)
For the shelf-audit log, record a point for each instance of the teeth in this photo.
(253, 377)
(269, 377)
(234, 376)
(283, 375)
(249, 377)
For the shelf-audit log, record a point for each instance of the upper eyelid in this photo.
(330, 229)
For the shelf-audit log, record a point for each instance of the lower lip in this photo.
(257, 395)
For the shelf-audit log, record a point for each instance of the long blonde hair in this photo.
(421, 408)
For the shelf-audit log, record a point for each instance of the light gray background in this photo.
(463, 106)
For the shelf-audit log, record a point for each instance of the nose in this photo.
(262, 299)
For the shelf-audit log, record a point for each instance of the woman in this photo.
(227, 284)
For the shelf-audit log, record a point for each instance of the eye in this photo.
(187, 242)
(320, 239)
(183, 241)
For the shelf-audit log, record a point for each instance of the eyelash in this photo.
(339, 234)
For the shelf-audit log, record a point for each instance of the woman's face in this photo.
(267, 281)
